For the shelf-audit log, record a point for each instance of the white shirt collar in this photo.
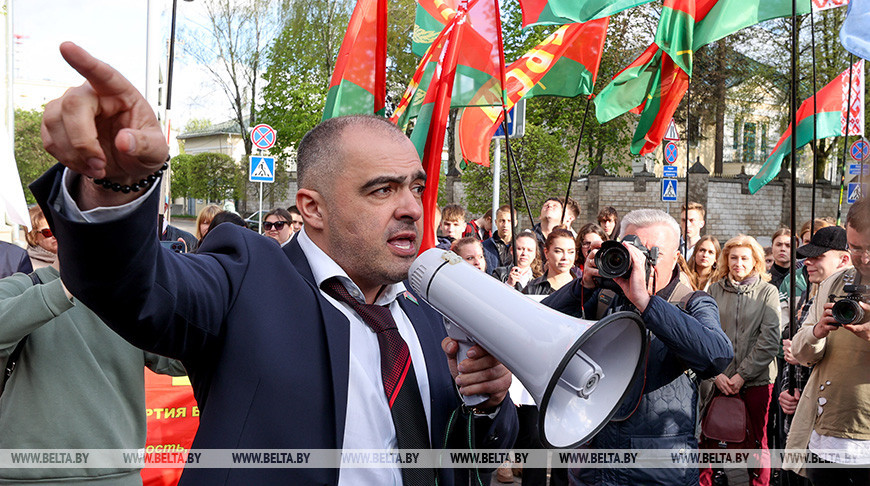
(323, 267)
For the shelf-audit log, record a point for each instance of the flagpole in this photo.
(848, 116)
(815, 123)
(511, 157)
(510, 188)
(688, 161)
(793, 114)
(576, 154)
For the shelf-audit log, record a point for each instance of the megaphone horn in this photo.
(578, 371)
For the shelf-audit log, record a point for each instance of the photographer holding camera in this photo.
(833, 414)
(659, 411)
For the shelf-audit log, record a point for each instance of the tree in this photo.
(543, 164)
(235, 53)
(32, 160)
(208, 175)
(299, 67)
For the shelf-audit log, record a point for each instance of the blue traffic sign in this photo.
(671, 152)
(515, 121)
(669, 171)
(855, 169)
(669, 190)
(855, 191)
(859, 150)
(261, 169)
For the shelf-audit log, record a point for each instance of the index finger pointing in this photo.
(102, 77)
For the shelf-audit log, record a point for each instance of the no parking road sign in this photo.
(859, 150)
(671, 152)
(263, 136)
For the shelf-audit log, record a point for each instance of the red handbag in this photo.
(726, 423)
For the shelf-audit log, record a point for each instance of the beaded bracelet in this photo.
(135, 187)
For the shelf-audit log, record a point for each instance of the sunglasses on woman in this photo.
(46, 233)
(278, 225)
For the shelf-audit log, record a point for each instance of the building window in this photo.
(763, 149)
(735, 143)
(749, 142)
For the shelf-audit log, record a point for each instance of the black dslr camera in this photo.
(847, 310)
(613, 260)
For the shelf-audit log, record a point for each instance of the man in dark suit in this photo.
(13, 259)
(279, 353)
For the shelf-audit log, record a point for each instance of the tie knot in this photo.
(378, 318)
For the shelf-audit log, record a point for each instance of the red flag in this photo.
(358, 84)
(432, 121)
(563, 64)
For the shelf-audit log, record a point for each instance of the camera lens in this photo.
(847, 311)
(613, 260)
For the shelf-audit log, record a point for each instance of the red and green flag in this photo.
(666, 90)
(832, 115)
(430, 19)
(479, 66)
(559, 12)
(652, 85)
(564, 64)
(629, 88)
(687, 25)
(358, 84)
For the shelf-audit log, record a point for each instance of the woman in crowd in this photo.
(589, 234)
(75, 384)
(528, 264)
(471, 250)
(749, 314)
(276, 225)
(41, 244)
(203, 219)
(560, 249)
(703, 263)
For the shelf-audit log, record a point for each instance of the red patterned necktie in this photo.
(400, 382)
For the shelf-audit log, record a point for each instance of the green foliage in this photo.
(32, 160)
(300, 65)
(196, 125)
(208, 175)
(543, 164)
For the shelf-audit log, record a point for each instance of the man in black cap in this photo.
(826, 254)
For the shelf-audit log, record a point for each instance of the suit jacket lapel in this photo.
(337, 339)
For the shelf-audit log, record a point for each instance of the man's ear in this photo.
(313, 208)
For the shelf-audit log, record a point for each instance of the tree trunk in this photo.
(719, 97)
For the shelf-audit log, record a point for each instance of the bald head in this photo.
(320, 154)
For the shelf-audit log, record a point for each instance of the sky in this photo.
(115, 32)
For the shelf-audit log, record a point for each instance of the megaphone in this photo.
(577, 371)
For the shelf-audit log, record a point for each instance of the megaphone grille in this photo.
(570, 415)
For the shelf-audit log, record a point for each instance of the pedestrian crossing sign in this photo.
(855, 192)
(262, 169)
(669, 190)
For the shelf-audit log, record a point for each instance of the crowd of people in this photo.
(308, 338)
(750, 287)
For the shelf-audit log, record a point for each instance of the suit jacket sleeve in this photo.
(170, 304)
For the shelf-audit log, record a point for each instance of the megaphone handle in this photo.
(465, 343)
